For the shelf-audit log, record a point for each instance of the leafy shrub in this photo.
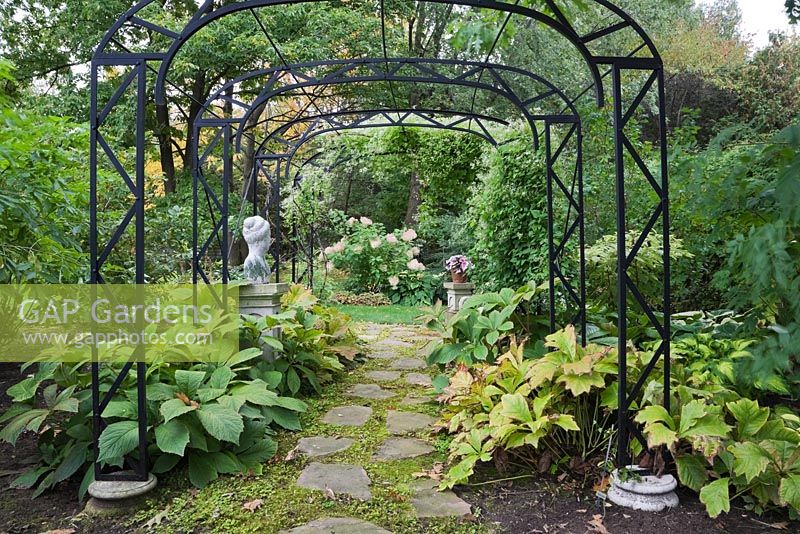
(737, 443)
(486, 324)
(646, 271)
(560, 403)
(362, 299)
(310, 341)
(508, 217)
(214, 416)
(415, 288)
(44, 194)
(372, 258)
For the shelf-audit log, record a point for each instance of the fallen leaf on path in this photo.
(253, 505)
(436, 473)
(596, 524)
(157, 519)
(602, 486)
(291, 455)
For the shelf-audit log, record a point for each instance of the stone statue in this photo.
(258, 236)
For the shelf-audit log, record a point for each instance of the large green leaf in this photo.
(716, 497)
(515, 406)
(256, 392)
(708, 425)
(658, 434)
(174, 408)
(749, 417)
(691, 412)
(165, 462)
(283, 417)
(692, 471)
(118, 439)
(220, 378)
(189, 381)
(221, 422)
(580, 384)
(30, 419)
(790, 491)
(201, 470)
(172, 437)
(750, 459)
(653, 414)
(259, 452)
(74, 460)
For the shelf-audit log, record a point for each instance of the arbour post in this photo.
(622, 115)
(138, 77)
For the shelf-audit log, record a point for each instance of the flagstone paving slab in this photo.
(337, 525)
(348, 415)
(340, 478)
(404, 422)
(383, 355)
(394, 343)
(399, 448)
(384, 376)
(318, 446)
(418, 379)
(414, 400)
(429, 502)
(408, 363)
(370, 391)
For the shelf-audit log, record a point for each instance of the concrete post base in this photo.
(457, 294)
(113, 497)
(644, 492)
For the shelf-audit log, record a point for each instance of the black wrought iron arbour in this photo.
(143, 50)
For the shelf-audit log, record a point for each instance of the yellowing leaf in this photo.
(716, 497)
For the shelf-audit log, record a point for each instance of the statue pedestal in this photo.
(262, 300)
(457, 294)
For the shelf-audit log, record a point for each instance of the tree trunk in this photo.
(199, 95)
(413, 200)
(164, 135)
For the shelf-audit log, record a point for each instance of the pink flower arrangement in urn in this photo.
(458, 266)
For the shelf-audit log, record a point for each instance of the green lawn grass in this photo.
(382, 314)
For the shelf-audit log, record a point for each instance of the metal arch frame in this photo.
(312, 133)
(574, 194)
(427, 74)
(136, 64)
(304, 78)
(224, 135)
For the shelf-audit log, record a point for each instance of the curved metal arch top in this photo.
(330, 122)
(488, 77)
(551, 16)
(425, 69)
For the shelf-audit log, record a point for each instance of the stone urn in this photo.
(638, 489)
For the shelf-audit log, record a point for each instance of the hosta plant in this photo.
(486, 324)
(311, 343)
(214, 417)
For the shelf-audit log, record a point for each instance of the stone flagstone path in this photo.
(396, 362)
